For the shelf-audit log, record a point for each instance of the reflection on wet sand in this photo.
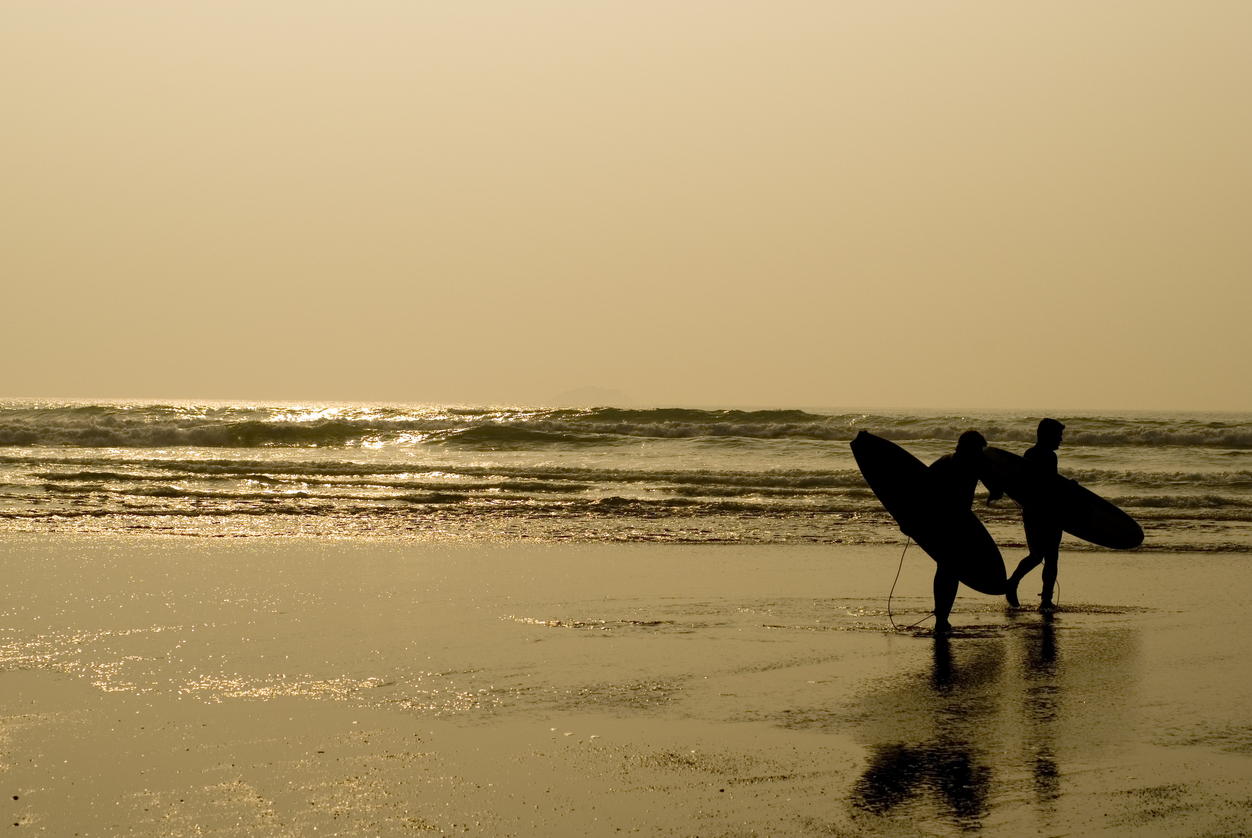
(993, 721)
(946, 770)
(946, 767)
(1042, 705)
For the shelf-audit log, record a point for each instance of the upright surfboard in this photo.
(954, 539)
(1079, 511)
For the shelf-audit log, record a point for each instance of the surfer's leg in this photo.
(1034, 527)
(1050, 557)
(1049, 581)
(1023, 567)
(945, 587)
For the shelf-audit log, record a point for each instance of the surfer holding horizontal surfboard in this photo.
(1051, 504)
(1043, 527)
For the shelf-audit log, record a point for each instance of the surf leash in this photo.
(907, 542)
(891, 593)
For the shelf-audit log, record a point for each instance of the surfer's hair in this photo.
(1049, 428)
(972, 440)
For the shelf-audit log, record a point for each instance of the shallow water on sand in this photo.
(273, 686)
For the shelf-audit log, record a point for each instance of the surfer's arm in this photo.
(994, 490)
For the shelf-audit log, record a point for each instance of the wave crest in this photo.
(215, 426)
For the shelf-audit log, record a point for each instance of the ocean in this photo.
(600, 474)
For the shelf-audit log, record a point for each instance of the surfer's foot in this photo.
(1047, 605)
(943, 627)
(1011, 594)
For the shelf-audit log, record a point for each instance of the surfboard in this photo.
(1080, 511)
(907, 489)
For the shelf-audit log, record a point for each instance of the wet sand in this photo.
(173, 686)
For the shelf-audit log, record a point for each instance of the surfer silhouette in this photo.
(956, 476)
(1043, 530)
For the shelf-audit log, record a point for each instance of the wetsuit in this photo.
(956, 478)
(1043, 532)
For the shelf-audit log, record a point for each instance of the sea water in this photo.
(679, 475)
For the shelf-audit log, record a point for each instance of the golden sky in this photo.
(795, 204)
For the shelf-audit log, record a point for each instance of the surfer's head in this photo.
(970, 442)
(1049, 432)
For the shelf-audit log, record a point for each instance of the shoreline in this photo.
(161, 686)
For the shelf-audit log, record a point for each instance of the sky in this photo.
(713, 202)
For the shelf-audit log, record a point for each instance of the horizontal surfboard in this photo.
(955, 539)
(1078, 510)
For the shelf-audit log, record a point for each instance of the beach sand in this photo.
(292, 687)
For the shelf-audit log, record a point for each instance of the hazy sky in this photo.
(823, 204)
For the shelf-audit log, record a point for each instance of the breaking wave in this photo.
(164, 426)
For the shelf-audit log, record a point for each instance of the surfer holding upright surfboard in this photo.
(932, 504)
(1043, 526)
(955, 476)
